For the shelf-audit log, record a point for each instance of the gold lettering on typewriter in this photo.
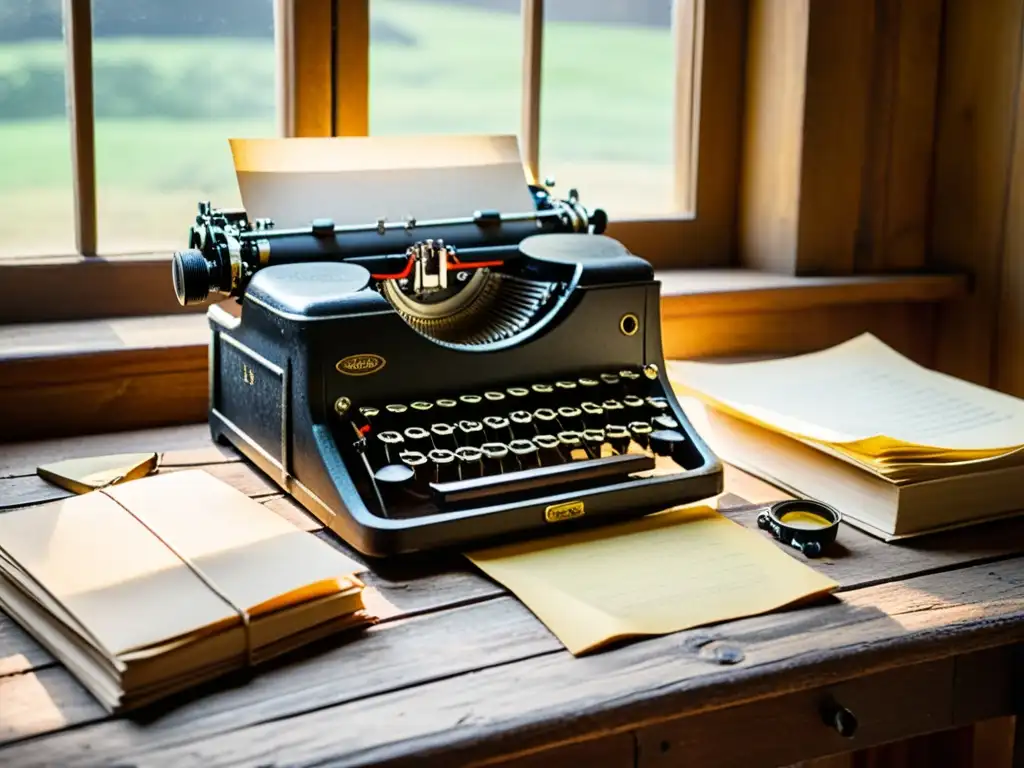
(564, 511)
(360, 365)
(248, 374)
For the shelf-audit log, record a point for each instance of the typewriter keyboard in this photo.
(472, 448)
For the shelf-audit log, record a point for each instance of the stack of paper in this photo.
(929, 450)
(156, 585)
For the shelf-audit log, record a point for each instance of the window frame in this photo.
(323, 89)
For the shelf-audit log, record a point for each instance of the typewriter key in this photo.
(526, 454)
(390, 444)
(618, 437)
(658, 403)
(417, 462)
(593, 439)
(418, 439)
(396, 409)
(593, 415)
(470, 433)
(518, 394)
(522, 424)
(570, 418)
(470, 462)
(545, 420)
(588, 385)
(443, 435)
(497, 429)
(665, 442)
(570, 444)
(547, 448)
(633, 404)
(566, 391)
(612, 408)
(664, 421)
(393, 482)
(641, 432)
(609, 379)
(421, 408)
(445, 470)
(393, 416)
(629, 376)
(447, 405)
(368, 416)
(495, 401)
(542, 389)
(496, 456)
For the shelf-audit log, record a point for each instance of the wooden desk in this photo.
(922, 638)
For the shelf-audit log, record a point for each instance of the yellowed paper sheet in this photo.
(864, 397)
(358, 180)
(682, 568)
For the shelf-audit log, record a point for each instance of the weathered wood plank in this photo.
(554, 698)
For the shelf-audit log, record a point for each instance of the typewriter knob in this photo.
(190, 272)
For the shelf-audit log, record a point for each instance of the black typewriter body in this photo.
(541, 401)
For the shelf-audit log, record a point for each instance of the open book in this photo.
(899, 448)
(159, 584)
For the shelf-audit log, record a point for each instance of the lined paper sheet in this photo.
(864, 396)
(358, 180)
(679, 569)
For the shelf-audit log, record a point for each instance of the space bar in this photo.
(540, 478)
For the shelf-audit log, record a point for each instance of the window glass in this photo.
(173, 82)
(445, 66)
(36, 204)
(607, 84)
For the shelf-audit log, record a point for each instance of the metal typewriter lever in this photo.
(540, 478)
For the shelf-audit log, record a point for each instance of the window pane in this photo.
(445, 66)
(36, 204)
(173, 82)
(607, 103)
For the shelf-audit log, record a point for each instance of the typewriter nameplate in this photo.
(360, 365)
(565, 511)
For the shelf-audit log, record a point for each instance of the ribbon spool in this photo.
(809, 526)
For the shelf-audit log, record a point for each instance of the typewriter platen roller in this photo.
(435, 384)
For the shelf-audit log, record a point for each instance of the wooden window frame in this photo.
(323, 87)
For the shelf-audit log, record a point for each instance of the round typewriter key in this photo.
(587, 384)
(391, 443)
(545, 420)
(525, 453)
(641, 432)
(593, 415)
(394, 415)
(665, 442)
(570, 443)
(629, 375)
(658, 403)
(809, 526)
(612, 408)
(445, 470)
(664, 421)
(522, 423)
(566, 391)
(447, 404)
(421, 407)
(396, 408)
(495, 458)
(497, 428)
(495, 401)
(470, 433)
(443, 435)
(547, 447)
(609, 379)
(394, 481)
(570, 417)
(417, 462)
(618, 437)
(418, 439)
(518, 393)
(542, 389)
(593, 439)
(633, 403)
(368, 414)
(470, 462)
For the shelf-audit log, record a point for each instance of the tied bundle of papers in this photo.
(900, 449)
(157, 585)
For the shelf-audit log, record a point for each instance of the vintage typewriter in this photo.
(427, 384)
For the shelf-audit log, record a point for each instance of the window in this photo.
(106, 180)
